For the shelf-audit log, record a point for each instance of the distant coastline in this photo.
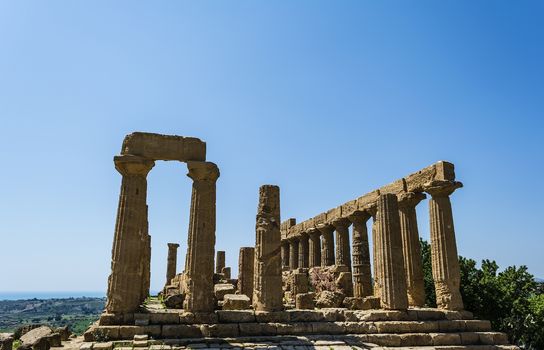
(49, 295)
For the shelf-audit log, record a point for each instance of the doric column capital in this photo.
(410, 199)
(133, 165)
(293, 240)
(341, 223)
(202, 171)
(441, 188)
(173, 245)
(359, 217)
(313, 231)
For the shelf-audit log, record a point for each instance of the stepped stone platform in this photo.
(417, 327)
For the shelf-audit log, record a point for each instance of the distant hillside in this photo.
(77, 313)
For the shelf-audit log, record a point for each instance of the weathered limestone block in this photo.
(201, 243)
(127, 270)
(314, 248)
(362, 279)
(326, 299)
(344, 283)
(411, 247)
(235, 316)
(267, 292)
(303, 252)
(236, 302)
(219, 261)
(223, 289)
(6, 341)
(343, 255)
(445, 261)
(327, 245)
(174, 301)
(299, 284)
(305, 301)
(164, 147)
(171, 262)
(246, 266)
(391, 278)
(371, 303)
(225, 271)
(37, 339)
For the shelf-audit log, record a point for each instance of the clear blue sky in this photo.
(328, 100)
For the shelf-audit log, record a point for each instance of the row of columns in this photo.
(397, 253)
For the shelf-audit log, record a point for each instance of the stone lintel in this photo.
(433, 178)
(164, 147)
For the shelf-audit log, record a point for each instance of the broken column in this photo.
(171, 261)
(285, 255)
(127, 275)
(314, 248)
(343, 255)
(225, 271)
(199, 263)
(303, 253)
(293, 253)
(445, 261)
(246, 263)
(267, 292)
(327, 245)
(391, 279)
(362, 279)
(219, 261)
(413, 264)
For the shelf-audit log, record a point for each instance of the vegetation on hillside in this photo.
(511, 299)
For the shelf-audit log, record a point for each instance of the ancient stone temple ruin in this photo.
(349, 276)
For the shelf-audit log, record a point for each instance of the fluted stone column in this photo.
(303, 251)
(246, 266)
(293, 253)
(267, 286)
(171, 262)
(219, 261)
(127, 275)
(199, 264)
(284, 255)
(343, 255)
(314, 248)
(445, 261)
(327, 245)
(391, 279)
(411, 248)
(362, 278)
(146, 259)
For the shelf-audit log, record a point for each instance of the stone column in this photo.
(314, 248)
(201, 241)
(285, 255)
(362, 278)
(127, 275)
(343, 255)
(246, 264)
(146, 258)
(411, 248)
(303, 252)
(293, 253)
(445, 261)
(171, 262)
(327, 245)
(225, 271)
(267, 286)
(391, 279)
(219, 261)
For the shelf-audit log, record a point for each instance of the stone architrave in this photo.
(246, 265)
(303, 253)
(219, 261)
(314, 248)
(199, 264)
(411, 247)
(171, 261)
(445, 261)
(267, 286)
(284, 255)
(343, 255)
(391, 279)
(327, 245)
(362, 279)
(125, 284)
(293, 253)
